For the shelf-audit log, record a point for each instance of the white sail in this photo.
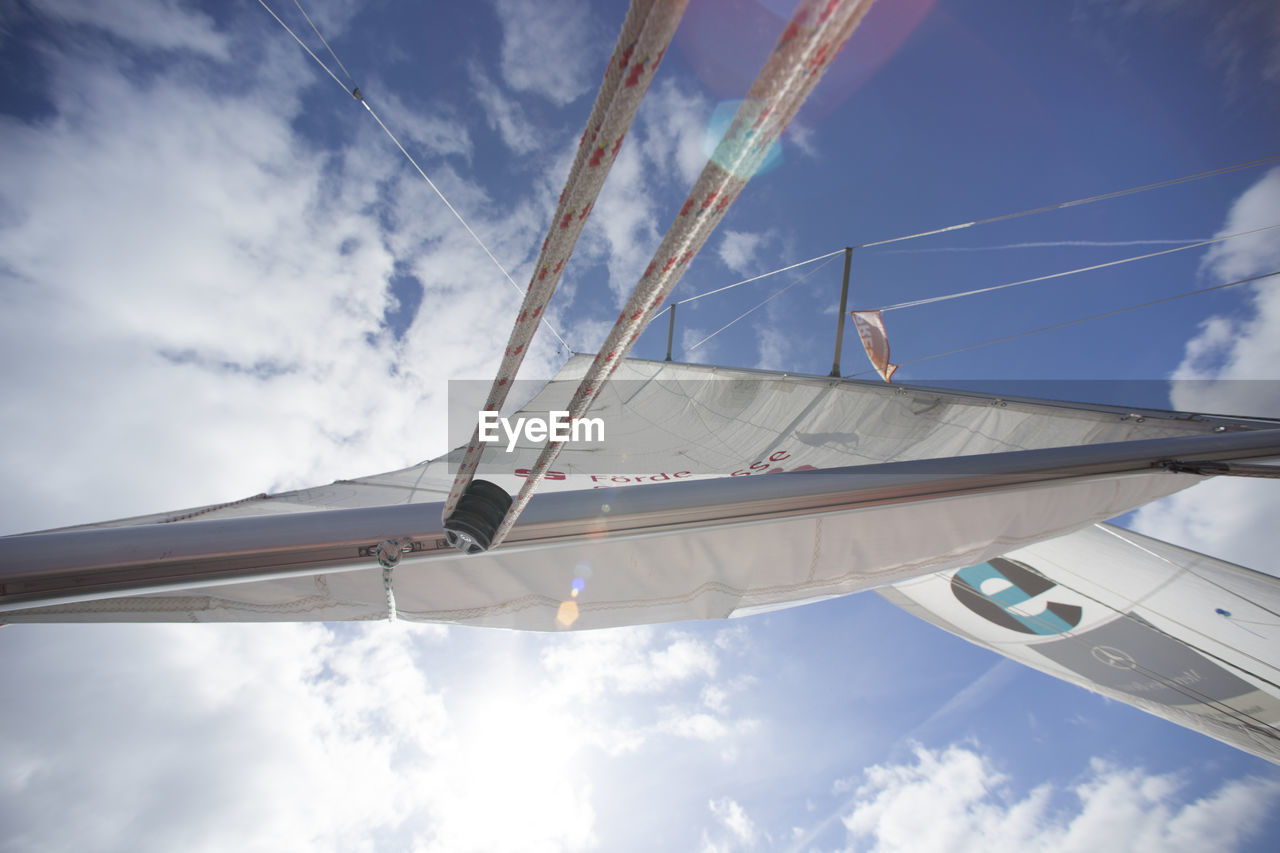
(1178, 634)
(647, 548)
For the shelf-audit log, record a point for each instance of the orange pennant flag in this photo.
(876, 341)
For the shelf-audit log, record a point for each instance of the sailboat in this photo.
(721, 492)
(725, 492)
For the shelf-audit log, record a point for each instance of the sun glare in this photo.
(519, 756)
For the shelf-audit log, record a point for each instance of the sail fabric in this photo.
(683, 421)
(1178, 634)
(704, 572)
(673, 423)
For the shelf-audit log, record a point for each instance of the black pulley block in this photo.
(480, 510)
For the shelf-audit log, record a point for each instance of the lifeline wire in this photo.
(1061, 205)
(949, 296)
(758, 277)
(764, 302)
(360, 97)
(1081, 320)
(813, 37)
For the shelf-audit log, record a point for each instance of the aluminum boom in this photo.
(85, 564)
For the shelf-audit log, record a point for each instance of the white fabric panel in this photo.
(691, 574)
(677, 422)
(676, 419)
(1178, 634)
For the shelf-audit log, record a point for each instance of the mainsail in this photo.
(924, 494)
(671, 519)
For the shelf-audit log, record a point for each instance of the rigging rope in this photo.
(813, 37)
(359, 96)
(646, 33)
(1075, 322)
(1076, 202)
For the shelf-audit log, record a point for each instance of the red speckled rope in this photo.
(646, 32)
(815, 34)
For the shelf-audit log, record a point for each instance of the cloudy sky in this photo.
(219, 278)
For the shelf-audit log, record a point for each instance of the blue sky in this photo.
(219, 278)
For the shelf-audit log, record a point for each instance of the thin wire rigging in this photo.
(1075, 202)
(767, 300)
(360, 97)
(1075, 322)
(323, 41)
(757, 277)
(949, 296)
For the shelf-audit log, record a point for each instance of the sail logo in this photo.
(556, 426)
(1001, 591)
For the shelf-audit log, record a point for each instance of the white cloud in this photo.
(739, 250)
(260, 737)
(161, 24)
(773, 348)
(1229, 518)
(1230, 367)
(970, 807)
(368, 736)
(542, 48)
(642, 195)
(626, 217)
(424, 134)
(691, 336)
(191, 284)
(674, 122)
(504, 114)
(628, 662)
(803, 138)
(735, 819)
(1257, 207)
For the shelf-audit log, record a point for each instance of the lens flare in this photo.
(724, 154)
(567, 614)
(726, 42)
